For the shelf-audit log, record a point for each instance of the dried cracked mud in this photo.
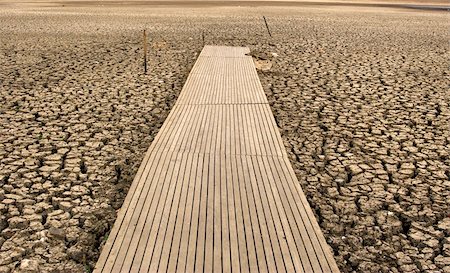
(360, 96)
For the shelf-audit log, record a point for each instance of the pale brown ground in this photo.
(221, 3)
(360, 95)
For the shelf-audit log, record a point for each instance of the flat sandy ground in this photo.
(360, 94)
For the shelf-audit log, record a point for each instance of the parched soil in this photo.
(360, 96)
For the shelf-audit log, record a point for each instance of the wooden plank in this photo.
(223, 90)
(152, 213)
(177, 244)
(275, 229)
(178, 254)
(283, 217)
(224, 229)
(215, 191)
(248, 225)
(153, 247)
(243, 246)
(172, 239)
(265, 247)
(194, 230)
(198, 262)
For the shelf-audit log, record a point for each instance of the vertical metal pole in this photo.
(145, 51)
(267, 26)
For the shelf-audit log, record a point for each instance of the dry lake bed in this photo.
(360, 94)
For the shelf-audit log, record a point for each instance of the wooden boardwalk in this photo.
(215, 191)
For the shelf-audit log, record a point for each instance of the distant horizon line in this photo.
(205, 3)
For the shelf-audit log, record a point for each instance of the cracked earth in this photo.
(360, 96)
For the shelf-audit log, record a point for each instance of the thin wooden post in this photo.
(203, 37)
(145, 51)
(267, 26)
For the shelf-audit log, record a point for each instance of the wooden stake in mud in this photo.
(203, 37)
(145, 51)
(267, 26)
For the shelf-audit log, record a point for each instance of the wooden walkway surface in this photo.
(215, 191)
